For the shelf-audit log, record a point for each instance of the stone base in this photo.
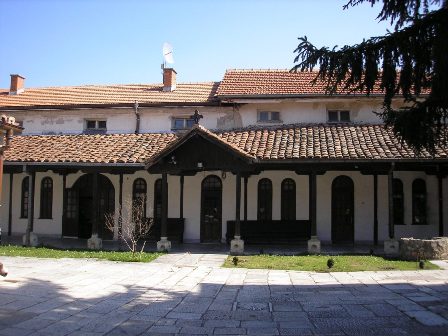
(94, 243)
(391, 247)
(430, 249)
(163, 245)
(237, 246)
(314, 245)
(34, 240)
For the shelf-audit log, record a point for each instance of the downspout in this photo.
(137, 118)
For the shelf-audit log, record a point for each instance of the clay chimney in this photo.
(169, 79)
(17, 84)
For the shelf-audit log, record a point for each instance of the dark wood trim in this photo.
(246, 178)
(375, 209)
(120, 207)
(312, 202)
(64, 201)
(390, 178)
(440, 194)
(29, 227)
(11, 182)
(238, 205)
(181, 200)
(164, 217)
(95, 204)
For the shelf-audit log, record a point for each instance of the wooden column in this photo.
(312, 203)
(375, 209)
(440, 189)
(120, 208)
(164, 219)
(30, 225)
(95, 204)
(390, 179)
(238, 205)
(181, 204)
(64, 201)
(11, 181)
(246, 178)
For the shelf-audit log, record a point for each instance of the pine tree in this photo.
(410, 62)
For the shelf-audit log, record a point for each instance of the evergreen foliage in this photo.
(410, 62)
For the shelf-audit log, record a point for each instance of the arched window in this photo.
(46, 197)
(139, 195)
(288, 199)
(398, 201)
(158, 199)
(419, 202)
(24, 197)
(264, 199)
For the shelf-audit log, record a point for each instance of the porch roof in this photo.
(298, 142)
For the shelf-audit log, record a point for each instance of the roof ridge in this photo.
(267, 70)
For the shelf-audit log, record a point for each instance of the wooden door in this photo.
(211, 209)
(342, 212)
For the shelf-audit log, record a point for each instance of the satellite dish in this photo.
(167, 53)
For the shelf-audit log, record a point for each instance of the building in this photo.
(267, 156)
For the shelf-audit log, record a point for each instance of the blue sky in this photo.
(75, 42)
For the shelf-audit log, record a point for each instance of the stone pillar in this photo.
(164, 244)
(237, 244)
(94, 242)
(314, 242)
(391, 246)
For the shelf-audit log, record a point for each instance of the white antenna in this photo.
(167, 51)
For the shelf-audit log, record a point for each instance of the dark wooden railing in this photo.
(175, 230)
(272, 231)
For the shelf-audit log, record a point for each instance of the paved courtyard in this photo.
(183, 293)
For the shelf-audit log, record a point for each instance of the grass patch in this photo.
(318, 263)
(44, 252)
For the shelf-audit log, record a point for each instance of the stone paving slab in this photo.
(190, 294)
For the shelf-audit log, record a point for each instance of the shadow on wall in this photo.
(156, 298)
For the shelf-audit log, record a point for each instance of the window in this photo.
(338, 116)
(139, 194)
(288, 199)
(24, 198)
(269, 116)
(72, 204)
(398, 201)
(46, 198)
(264, 199)
(180, 123)
(158, 199)
(96, 126)
(419, 202)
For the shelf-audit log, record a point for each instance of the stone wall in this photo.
(413, 249)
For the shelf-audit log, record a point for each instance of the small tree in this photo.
(133, 225)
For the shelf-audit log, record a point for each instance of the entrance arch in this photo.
(79, 209)
(342, 210)
(211, 209)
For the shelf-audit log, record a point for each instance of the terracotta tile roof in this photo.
(114, 148)
(288, 142)
(324, 141)
(240, 83)
(201, 93)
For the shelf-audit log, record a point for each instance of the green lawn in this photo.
(318, 263)
(43, 252)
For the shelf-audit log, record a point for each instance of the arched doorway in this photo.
(342, 210)
(211, 209)
(79, 210)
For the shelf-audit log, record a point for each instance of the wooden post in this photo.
(440, 187)
(181, 205)
(246, 178)
(11, 181)
(238, 206)
(64, 201)
(390, 179)
(312, 203)
(375, 209)
(164, 214)
(120, 208)
(95, 204)
(30, 225)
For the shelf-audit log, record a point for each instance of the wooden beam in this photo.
(390, 178)
(64, 201)
(95, 204)
(164, 214)
(440, 194)
(312, 203)
(120, 208)
(246, 178)
(29, 227)
(238, 205)
(375, 209)
(11, 182)
(181, 201)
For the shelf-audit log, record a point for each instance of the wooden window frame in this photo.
(264, 200)
(288, 199)
(398, 201)
(24, 196)
(46, 198)
(419, 202)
